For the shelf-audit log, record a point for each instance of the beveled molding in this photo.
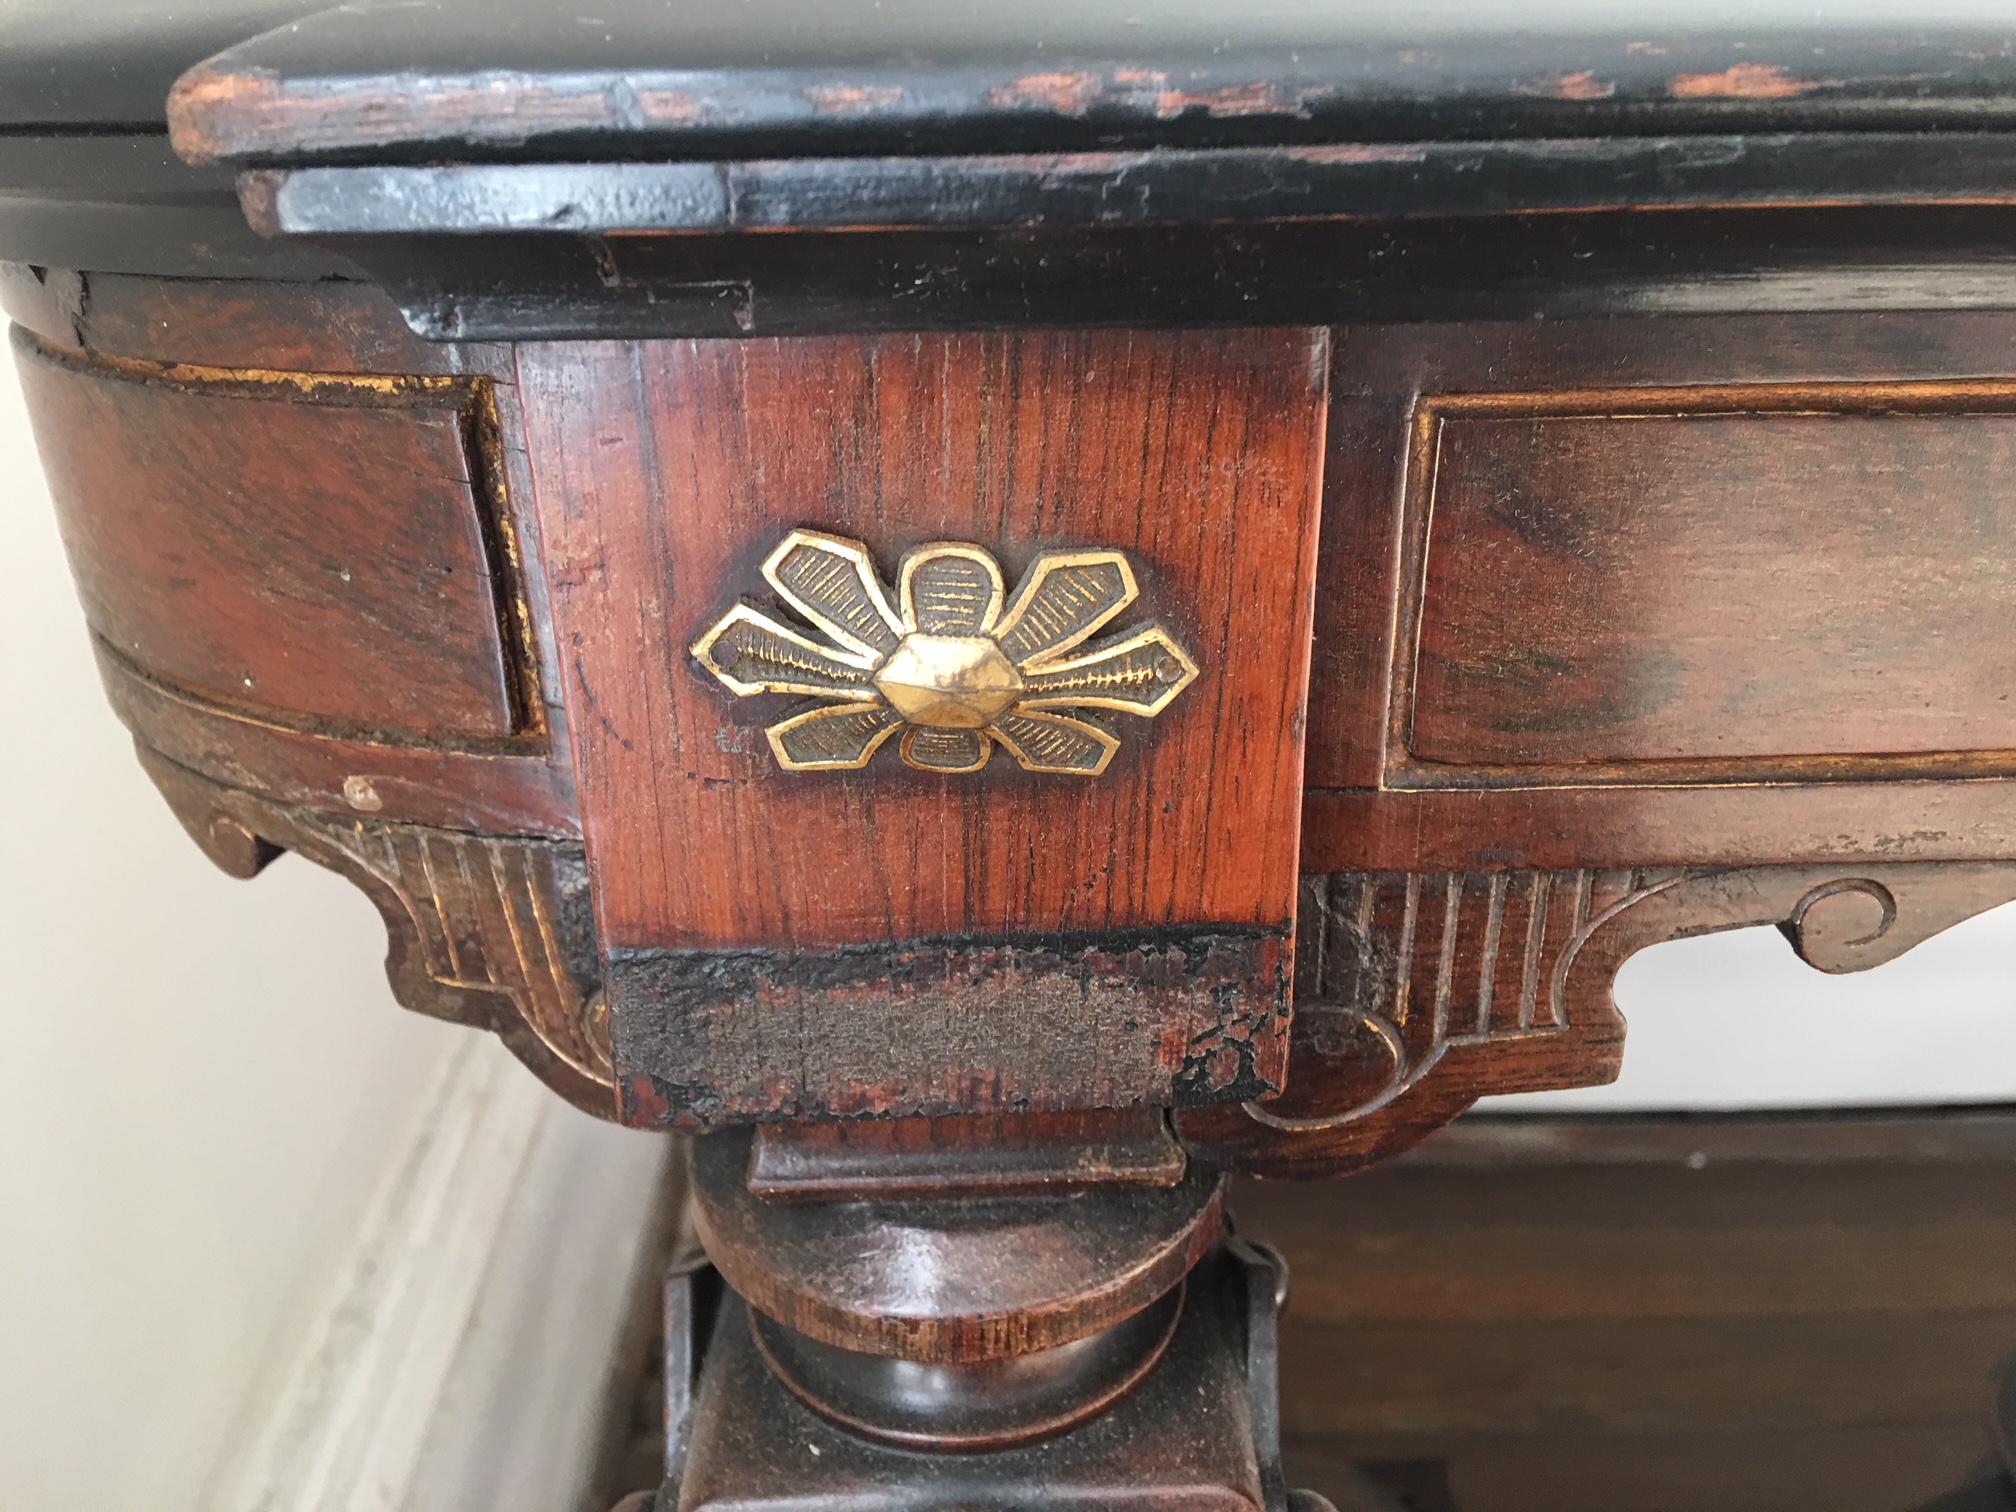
(490, 931)
(1418, 993)
(522, 792)
(954, 664)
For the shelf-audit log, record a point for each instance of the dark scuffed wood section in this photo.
(1195, 1015)
(324, 327)
(1093, 190)
(1632, 628)
(1152, 903)
(317, 551)
(776, 77)
(1716, 575)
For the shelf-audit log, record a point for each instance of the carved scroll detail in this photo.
(1416, 994)
(490, 931)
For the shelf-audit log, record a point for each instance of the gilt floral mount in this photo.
(956, 665)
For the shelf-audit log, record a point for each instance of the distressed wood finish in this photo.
(1660, 585)
(334, 326)
(1418, 994)
(1430, 506)
(888, 941)
(524, 792)
(1578, 517)
(225, 453)
(415, 85)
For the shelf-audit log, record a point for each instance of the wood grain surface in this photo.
(330, 326)
(947, 1282)
(1623, 630)
(1746, 620)
(518, 792)
(666, 472)
(316, 550)
(1631, 576)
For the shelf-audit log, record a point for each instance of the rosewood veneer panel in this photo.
(1633, 577)
(888, 940)
(314, 549)
(1683, 591)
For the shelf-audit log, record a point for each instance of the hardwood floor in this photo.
(1657, 1315)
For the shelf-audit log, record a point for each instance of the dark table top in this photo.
(716, 117)
(103, 64)
(390, 80)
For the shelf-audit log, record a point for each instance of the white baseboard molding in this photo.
(463, 1358)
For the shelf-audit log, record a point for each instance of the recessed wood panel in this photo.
(314, 549)
(887, 940)
(1731, 582)
(1528, 775)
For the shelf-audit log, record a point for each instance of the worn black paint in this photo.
(941, 1025)
(1242, 185)
(762, 77)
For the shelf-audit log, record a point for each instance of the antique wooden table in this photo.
(1002, 613)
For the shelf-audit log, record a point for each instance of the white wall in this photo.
(203, 1081)
(1738, 1021)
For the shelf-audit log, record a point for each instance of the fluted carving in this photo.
(1416, 994)
(485, 930)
